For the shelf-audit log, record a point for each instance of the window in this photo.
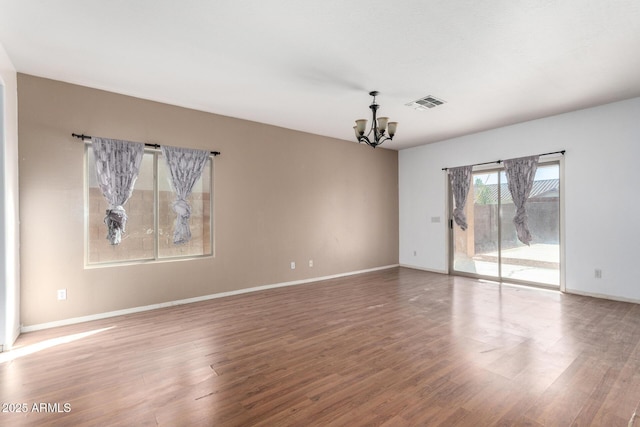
(149, 230)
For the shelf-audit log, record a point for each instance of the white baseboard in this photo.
(544, 288)
(99, 316)
(6, 346)
(431, 270)
(602, 296)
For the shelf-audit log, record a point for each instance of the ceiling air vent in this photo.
(423, 103)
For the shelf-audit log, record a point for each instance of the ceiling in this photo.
(309, 65)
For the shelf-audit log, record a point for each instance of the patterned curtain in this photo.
(460, 179)
(186, 166)
(520, 174)
(117, 167)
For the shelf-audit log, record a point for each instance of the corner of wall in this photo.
(9, 214)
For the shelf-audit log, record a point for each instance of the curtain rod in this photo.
(156, 146)
(500, 161)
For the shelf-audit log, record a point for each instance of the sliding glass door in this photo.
(489, 247)
(476, 249)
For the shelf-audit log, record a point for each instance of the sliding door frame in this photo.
(559, 160)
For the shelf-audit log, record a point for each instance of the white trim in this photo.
(431, 270)
(10, 340)
(108, 314)
(447, 223)
(563, 240)
(602, 296)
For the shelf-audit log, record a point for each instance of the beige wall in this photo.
(280, 196)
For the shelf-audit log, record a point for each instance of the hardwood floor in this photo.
(397, 347)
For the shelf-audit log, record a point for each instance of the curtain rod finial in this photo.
(81, 136)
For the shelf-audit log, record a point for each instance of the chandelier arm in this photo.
(383, 140)
(371, 130)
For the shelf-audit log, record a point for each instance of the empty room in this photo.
(275, 213)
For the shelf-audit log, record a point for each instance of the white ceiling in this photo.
(309, 64)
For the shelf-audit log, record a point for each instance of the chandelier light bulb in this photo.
(392, 128)
(382, 123)
(361, 125)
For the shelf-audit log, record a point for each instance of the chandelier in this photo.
(376, 135)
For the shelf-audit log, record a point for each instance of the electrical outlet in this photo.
(293, 265)
(598, 273)
(310, 263)
(62, 294)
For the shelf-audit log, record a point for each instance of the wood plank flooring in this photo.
(397, 347)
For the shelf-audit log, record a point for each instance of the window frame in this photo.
(156, 257)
